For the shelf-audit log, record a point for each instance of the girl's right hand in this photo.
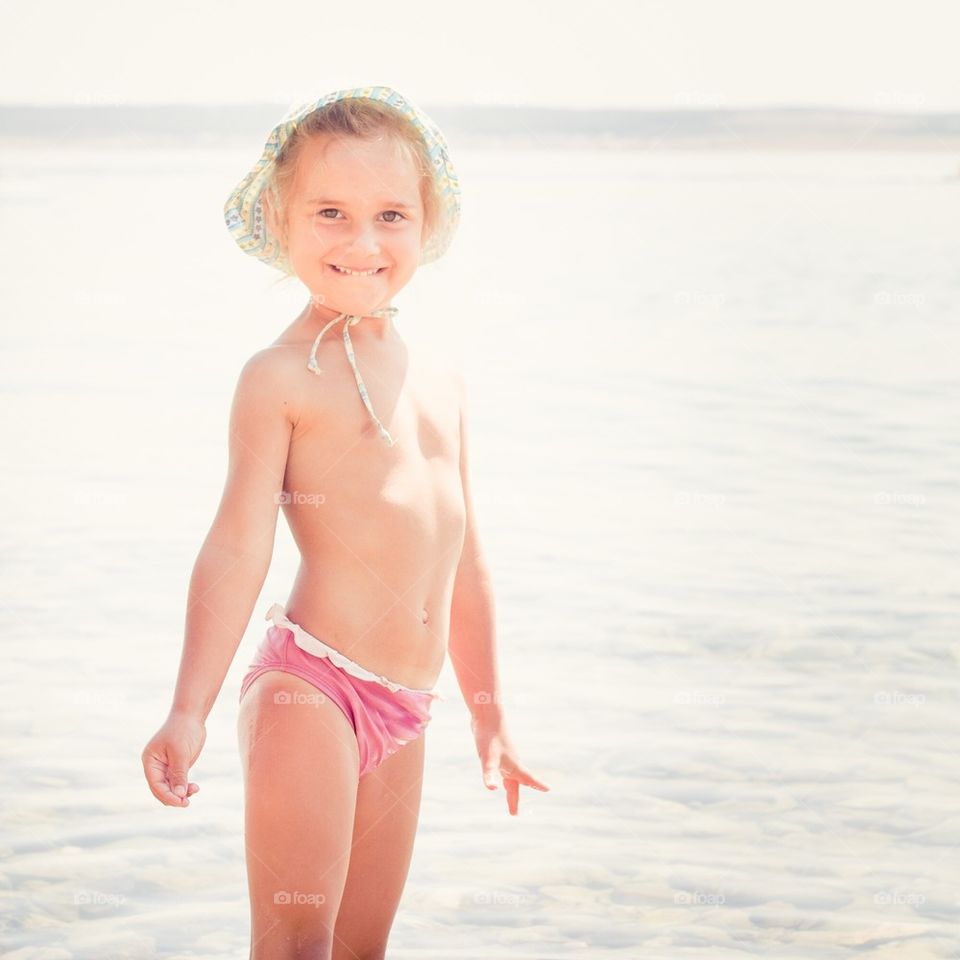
(168, 756)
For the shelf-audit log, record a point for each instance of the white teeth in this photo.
(355, 273)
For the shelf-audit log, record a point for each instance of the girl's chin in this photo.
(357, 306)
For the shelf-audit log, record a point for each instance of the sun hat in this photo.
(243, 210)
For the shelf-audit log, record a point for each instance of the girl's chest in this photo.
(336, 448)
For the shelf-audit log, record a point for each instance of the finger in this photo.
(163, 792)
(192, 788)
(529, 780)
(177, 800)
(155, 769)
(513, 795)
(490, 775)
(178, 778)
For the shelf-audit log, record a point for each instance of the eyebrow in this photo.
(398, 204)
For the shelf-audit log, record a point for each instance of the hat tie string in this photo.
(348, 347)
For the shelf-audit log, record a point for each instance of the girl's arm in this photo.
(233, 562)
(473, 652)
(473, 646)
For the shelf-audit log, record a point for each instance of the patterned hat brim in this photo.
(243, 210)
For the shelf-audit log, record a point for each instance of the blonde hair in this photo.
(364, 119)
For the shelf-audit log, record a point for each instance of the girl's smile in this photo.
(349, 272)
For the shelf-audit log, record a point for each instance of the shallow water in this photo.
(715, 456)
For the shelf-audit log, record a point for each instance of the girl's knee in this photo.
(376, 950)
(294, 937)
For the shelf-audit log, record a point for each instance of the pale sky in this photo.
(890, 54)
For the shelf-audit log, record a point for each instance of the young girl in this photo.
(352, 193)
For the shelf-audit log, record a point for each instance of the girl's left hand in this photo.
(498, 755)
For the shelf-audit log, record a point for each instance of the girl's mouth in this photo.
(347, 272)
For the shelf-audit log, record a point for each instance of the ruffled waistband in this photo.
(310, 644)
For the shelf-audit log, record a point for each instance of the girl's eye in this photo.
(334, 210)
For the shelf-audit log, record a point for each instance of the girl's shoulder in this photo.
(268, 377)
(274, 361)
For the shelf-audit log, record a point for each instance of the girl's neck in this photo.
(317, 316)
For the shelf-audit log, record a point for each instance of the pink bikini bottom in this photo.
(384, 715)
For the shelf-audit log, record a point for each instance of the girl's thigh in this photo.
(384, 828)
(300, 765)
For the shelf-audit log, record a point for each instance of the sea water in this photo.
(715, 454)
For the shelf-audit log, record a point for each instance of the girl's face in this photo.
(356, 204)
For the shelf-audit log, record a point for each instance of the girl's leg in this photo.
(387, 809)
(300, 765)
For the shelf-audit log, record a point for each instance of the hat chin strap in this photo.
(351, 319)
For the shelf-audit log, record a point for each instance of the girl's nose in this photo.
(364, 239)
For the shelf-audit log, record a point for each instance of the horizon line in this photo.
(706, 105)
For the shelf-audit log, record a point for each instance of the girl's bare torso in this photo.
(379, 528)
